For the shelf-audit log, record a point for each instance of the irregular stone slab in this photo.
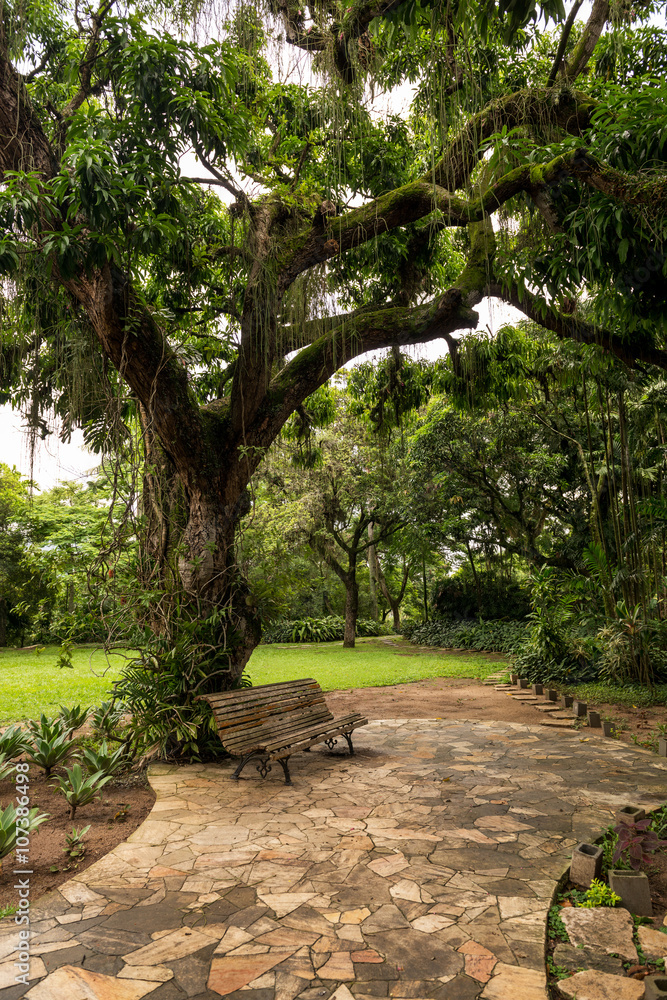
(150, 973)
(653, 942)
(432, 922)
(592, 985)
(233, 972)
(70, 983)
(511, 982)
(580, 959)
(169, 948)
(387, 918)
(419, 956)
(338, 967)
(388, 866)
(355, 916)
(342, 993)
(283, 903)
(479, 961)
(607, 929)
(368, 955)
(8, 972)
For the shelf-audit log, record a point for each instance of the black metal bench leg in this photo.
(283, 763)
(244, 760)
(348, 737)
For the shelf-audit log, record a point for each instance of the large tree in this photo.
(213, 322)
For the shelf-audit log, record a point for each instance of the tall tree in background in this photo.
(213, 323)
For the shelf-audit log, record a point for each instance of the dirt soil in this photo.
(122, 806)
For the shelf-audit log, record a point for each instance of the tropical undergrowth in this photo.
(329, 629)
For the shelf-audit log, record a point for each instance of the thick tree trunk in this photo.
(351, 607)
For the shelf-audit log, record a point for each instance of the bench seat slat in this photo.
(270, 728)
(268, 691)
(241, 715)
(268, 738)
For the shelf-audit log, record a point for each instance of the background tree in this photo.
(215, 323)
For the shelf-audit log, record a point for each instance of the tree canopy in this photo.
(193, 309)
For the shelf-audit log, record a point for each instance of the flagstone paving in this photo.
(422, 867)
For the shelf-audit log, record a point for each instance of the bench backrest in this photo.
(288, 703)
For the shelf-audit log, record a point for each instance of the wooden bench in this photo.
(273, 721)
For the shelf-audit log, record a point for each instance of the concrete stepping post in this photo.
(580, 709)
(594, 720)
(633, 888)
(586, 864)
(538, 689)
(655, 987)
(566, 700)
(630, 815)
(552, 694)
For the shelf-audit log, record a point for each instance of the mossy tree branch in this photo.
(569, 327)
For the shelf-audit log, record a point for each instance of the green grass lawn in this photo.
(31, 683)
(370, 664)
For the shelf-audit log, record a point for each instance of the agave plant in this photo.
(80, 789)
(13, 742)
(47, 728)
(6, 766)
(47, 753)
(73, 718)
(104, 760)
(106, 717)
(8, 831)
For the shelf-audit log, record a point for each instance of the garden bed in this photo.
(122, 806)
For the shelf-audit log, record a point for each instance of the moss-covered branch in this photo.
(569, 327)
(419, 199)
(543, 109)
(351, 337)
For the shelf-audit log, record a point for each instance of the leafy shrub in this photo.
(637, 843)
(166, 717)
(330, 629)
(460, 597)
(629, 640)
(492, 636)
(13, 742)
(105, 761)
(8, 831)
(78, 789)
(106, 717)
(73, 718)
(409, 627)
(558, 648)
(74, 846)
(599, 894)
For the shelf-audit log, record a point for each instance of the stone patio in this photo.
(423, 867)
